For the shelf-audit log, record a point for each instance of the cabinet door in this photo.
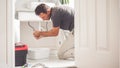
(96, 34)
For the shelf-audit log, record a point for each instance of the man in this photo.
(62, 18)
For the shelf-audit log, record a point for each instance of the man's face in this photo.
(44, 16)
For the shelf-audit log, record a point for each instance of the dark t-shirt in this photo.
(63, 17)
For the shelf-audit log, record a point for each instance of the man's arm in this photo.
(53, 32)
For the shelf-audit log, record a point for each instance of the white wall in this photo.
(3, 32)
(25, 4)
(71, 3)
(22, 4)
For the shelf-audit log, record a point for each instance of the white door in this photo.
(96, 33)
(6, 38)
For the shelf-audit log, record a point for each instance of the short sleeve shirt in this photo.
(63, 17)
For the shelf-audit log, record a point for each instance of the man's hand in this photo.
(36, 34)
(53, 32)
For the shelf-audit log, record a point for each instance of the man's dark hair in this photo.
(42, 8)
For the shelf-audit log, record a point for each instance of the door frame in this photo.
(10, 34)
(119, 34)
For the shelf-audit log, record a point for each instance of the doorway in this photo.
(26, 21)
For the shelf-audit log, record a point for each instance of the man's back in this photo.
(63, 17)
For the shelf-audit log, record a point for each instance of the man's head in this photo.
(43, 11)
